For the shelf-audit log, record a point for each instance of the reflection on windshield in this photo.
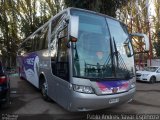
(95, 54)
(150, 69)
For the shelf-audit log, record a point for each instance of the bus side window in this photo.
(21, 49)
(60, 56)
(54, 28)
(62, 61)
(28, 45)
(43, 39)
(54, 46)
(33, 43)
(36, 41)
(62, 66)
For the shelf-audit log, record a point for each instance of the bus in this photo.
(82, 60)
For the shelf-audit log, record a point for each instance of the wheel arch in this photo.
(42, 79)
(153, 76)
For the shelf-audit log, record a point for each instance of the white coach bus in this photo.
(81, 59)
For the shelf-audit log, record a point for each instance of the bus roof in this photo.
(93, 12)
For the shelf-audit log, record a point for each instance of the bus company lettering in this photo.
(30, 61)
(31, 68)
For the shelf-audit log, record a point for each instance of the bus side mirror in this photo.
(74, 27)
(145, 40)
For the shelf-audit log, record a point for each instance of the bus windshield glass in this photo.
(95, 54)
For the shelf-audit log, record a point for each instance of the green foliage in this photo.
(156, 43)
(20, 18)
(139, 11)
(156, 27)
(156, 46)
(107, 7)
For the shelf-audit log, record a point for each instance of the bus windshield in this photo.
(95, 54)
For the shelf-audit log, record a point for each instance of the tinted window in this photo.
(55, 24)
(37, 40)
(43, 42)
(33, 43)
(62, 62)
(54, 28)
(62, 52)
(22, 49)
(58, 43)
(28, 45)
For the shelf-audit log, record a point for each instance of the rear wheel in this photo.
(152, 79)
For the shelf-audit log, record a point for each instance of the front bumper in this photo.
(89, 102)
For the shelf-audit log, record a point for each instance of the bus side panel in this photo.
(46, 71)
(63, 92)
(58, 89)
(30, 63)
(52, 83)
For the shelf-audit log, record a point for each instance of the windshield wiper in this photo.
(115, 61)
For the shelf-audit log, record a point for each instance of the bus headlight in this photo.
(83, 89)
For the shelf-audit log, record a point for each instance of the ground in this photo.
(26, 103)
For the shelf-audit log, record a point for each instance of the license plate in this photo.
(114, 100)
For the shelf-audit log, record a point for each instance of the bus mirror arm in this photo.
(146, 40)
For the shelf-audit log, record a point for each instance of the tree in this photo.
(156, 27)
(20, 18)
(136, 15)
(108, 7)
(6, 35)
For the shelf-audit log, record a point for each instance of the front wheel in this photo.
(152, 79)
(44, 92)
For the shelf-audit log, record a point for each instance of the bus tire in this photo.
(44, 92)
